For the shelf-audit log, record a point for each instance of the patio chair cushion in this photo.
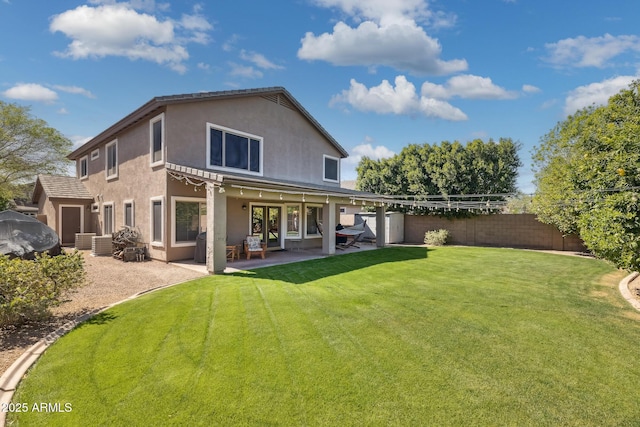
(253, 244)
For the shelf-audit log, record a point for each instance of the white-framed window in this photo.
(83, 167)
(294, 221)
(107, 218)
(95, 208)
(330, 168)
(95, 154)
(111, 159)
(313, 221)
(157, 221)
(156, 140)
(189, 219)
(233, 150)
(128, 213)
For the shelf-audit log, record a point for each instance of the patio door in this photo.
(265, 223)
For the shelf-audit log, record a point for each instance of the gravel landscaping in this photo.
(108, 281)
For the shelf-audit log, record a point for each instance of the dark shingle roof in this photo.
(60, 187)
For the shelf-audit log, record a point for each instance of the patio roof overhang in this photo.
(248, 186)
(259, 187)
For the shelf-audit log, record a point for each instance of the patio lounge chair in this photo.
(253, 246)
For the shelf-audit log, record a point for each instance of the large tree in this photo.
(587, 176)
(447, 168)
(28, 147)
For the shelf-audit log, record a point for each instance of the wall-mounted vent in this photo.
(280, 100)
(272, 97)
(285, 102)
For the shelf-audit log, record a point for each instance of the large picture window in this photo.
(190, 219)
(235, 150)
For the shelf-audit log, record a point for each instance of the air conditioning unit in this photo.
(101, 245)
(83, 240)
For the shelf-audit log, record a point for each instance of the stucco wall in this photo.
(136, 181)
(292, 147)
(518, 231)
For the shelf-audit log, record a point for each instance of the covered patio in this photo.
(275, 258)
(299, 221)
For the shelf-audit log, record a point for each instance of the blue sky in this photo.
(377, 74)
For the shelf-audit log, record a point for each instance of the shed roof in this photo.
(60, 187)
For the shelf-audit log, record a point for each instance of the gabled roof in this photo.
(161, 101)
(60, 187)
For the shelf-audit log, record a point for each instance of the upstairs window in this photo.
(83, 167)
(156, 139)
(233, 150)
(111, 166)
(330, 169)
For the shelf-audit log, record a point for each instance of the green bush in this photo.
(436, 237)
(611, 230)
(28, 289)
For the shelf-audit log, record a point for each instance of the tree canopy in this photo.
(448, 168)
(587, 176)
(28, 147)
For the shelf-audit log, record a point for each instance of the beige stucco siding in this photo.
(137, 181)
(293, 148)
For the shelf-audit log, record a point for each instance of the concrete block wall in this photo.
(515, 231)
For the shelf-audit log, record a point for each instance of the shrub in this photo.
(436, 237)
(28, 289)
(611, 230)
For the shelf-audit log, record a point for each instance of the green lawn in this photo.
(398, 336)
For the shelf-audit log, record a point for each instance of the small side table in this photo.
(232, 252)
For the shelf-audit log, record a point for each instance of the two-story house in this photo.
(231, 163)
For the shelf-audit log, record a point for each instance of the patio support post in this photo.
(381, 226)
(329, 224)
(216, 230)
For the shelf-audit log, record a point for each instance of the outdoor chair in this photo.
(253, 246)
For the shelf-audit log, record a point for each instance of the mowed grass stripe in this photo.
(400, 336)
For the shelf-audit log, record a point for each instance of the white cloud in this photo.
(595, 93)
(31, 92)
(259, 60)
(387, 34)
(386, 11)
(467, 86)
(117, 29)
(75, 90)
(244, 71)
(584, 51)
(368, 150)
(530, 89)
(403, 46)
(401, 100)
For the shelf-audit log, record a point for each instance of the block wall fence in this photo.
(514, 231)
